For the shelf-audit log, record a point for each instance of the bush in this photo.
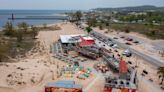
(127, 31)
(88, 29)
(8, 29)
(100, 27)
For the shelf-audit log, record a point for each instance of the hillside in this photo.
(129, 9)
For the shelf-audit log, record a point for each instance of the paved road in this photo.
(148, 84)
(146, 57)
(150, 59)
(98, 76)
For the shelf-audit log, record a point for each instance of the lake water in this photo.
(5, 14)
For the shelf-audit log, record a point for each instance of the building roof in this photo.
(70, 38)
(123, 67)
(82, 38)
(85, 41)
(63, 84)
(87, 38)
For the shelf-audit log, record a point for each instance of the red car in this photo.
(129, 39)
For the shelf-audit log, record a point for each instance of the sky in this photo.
(73, 4)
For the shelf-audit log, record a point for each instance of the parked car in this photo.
(111, 44)
(115, 46)
(122, 37)
(162, 87)
(115, 38)
(127, 53)
(129, 39)
(109, 39)
(136, 42)
(127, 43)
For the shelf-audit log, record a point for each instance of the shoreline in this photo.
(39, 25)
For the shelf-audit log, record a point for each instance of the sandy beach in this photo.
(30, 73)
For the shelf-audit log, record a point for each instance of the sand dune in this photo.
(30, 73)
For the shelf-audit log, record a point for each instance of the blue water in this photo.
(5, 14)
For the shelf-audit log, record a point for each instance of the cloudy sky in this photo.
(74, 4)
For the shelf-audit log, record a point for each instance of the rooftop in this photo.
(63, 84)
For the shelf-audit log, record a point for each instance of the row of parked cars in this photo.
(105, 40)
(110, 43)
(129, 40)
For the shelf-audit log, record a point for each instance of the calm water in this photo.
(5, 14)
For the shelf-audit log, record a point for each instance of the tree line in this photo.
(15, 39)
(20, 31)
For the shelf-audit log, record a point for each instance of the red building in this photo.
(63, 86)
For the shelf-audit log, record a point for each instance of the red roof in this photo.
(122, 67)
(86, 42)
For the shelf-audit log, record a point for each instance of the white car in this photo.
(115, 46)
(127, 53)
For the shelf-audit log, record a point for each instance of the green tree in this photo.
(92, 22)
(107, 26)
(34, 31)
(71, 17)
(161, 74)
(121, 18)
(108, 18)
(19, 35)
(127, 30)
(153, 32)
(8, 29)
(88, 29)
(100, 27)
(23, 26)
(78, 15)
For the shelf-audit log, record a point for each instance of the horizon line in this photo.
(81, 9)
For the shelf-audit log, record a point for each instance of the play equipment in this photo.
(84, 73)
(79, 71)
(101, 67)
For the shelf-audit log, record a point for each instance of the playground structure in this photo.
(77, 71)
(101, 67)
